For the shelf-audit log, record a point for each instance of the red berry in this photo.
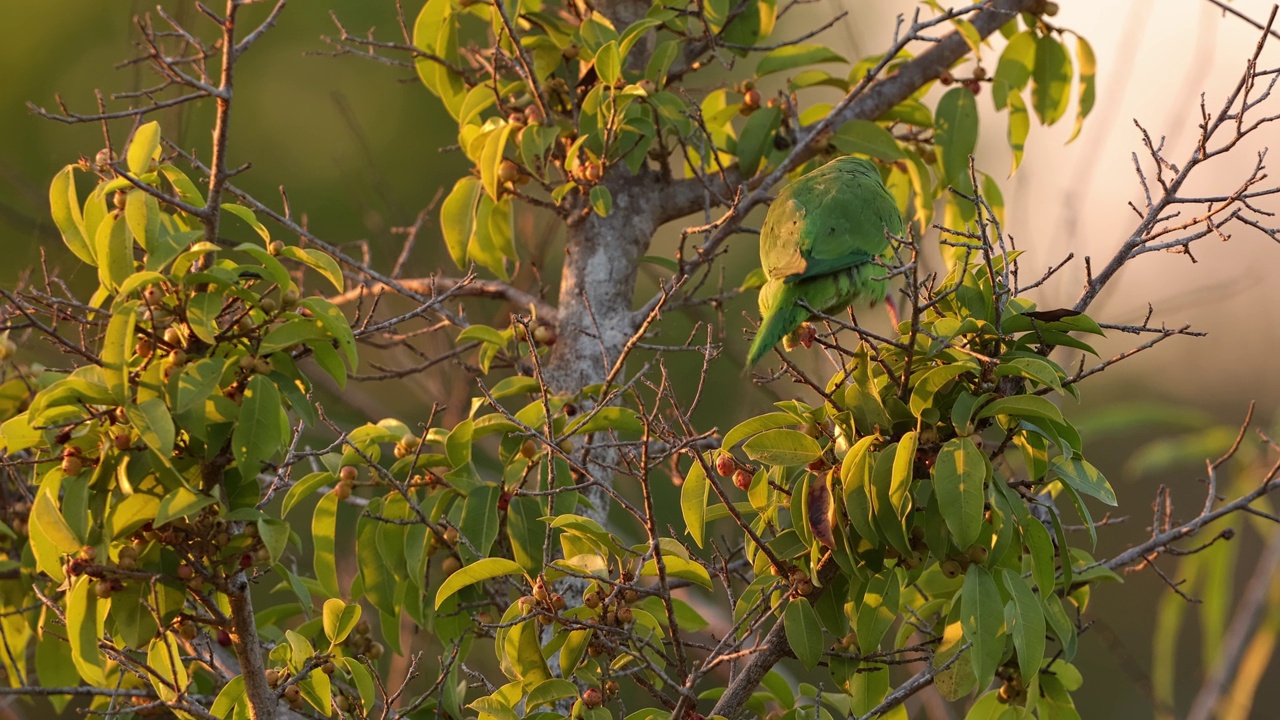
(224, 638)
(726, 465)
(742, 479)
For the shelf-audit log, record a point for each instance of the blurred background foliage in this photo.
(360, 149)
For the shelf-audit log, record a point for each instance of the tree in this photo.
(907, 509)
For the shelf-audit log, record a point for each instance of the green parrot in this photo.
(819, 244)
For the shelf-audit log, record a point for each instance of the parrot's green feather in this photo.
(819, 245)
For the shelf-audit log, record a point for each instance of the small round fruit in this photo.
(88, 553)
(610, 688)
(979, 73)
(72, 465)
(342, 703)
(630, 596)
(591, 599)
(186, 572)
(450, 566)
(144, 348)
(946, 78)
(328, 668)
(592, 698)
(557, 601)
(375, 651)
(172, 336)
(533, 115)
(804, 587)
(348, 473)
(276, 247)
(224, 638)
(290, 298)
(726, 465)
(751, 99)
(121, 441)
(625, 616)
(951, 568)
(188, 631)
(102, 589)
(273, 676)
(544, 335)
(528, 449)
(508, 171)
(742, 479)
(978, 553)
(293, 692)
(342, 490)
(451, 535)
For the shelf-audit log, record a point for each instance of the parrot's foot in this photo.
(806, 334)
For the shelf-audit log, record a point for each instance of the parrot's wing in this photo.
(830, 220)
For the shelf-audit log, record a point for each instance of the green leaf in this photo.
(1014, 68)
(678, 567)
(783, 447)
(527, 532)
(609, 63)
(959, 486)
(335, 323)
(549, 691)
(202, 314)
(275, 536)
(257, 435)
(251, 220)
(491, 157)
(982, 617)
(794, 56)
(142, 215)
(1040, 547)
(181, 502)
(480, 519)
(804, 632)
(878, 609)
(143, 148)
(84, 628)
(932, 382)
(1019, 127)
(693, 503)
(64, 206)
(164, 658)
(458, 217)
(479, 571)
(289, 333)
(47, 520)
(601, 200)
(1087, 88)
(231, 702)
(114, 251)
(187, 190)
(1084, 477)
(1050, 80)
(867, 138)
(956, 120)
(324, 522)
(55, 667)
(755, 425)
(1022, 406)
(154, 425)
(1027, 627)
(904, 461)
(339, 619)
(757, 138)
(319, 261)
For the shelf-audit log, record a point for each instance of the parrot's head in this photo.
(855, 166)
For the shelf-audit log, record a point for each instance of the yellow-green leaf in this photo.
(479, 571)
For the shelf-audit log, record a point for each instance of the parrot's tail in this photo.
(783, 316)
